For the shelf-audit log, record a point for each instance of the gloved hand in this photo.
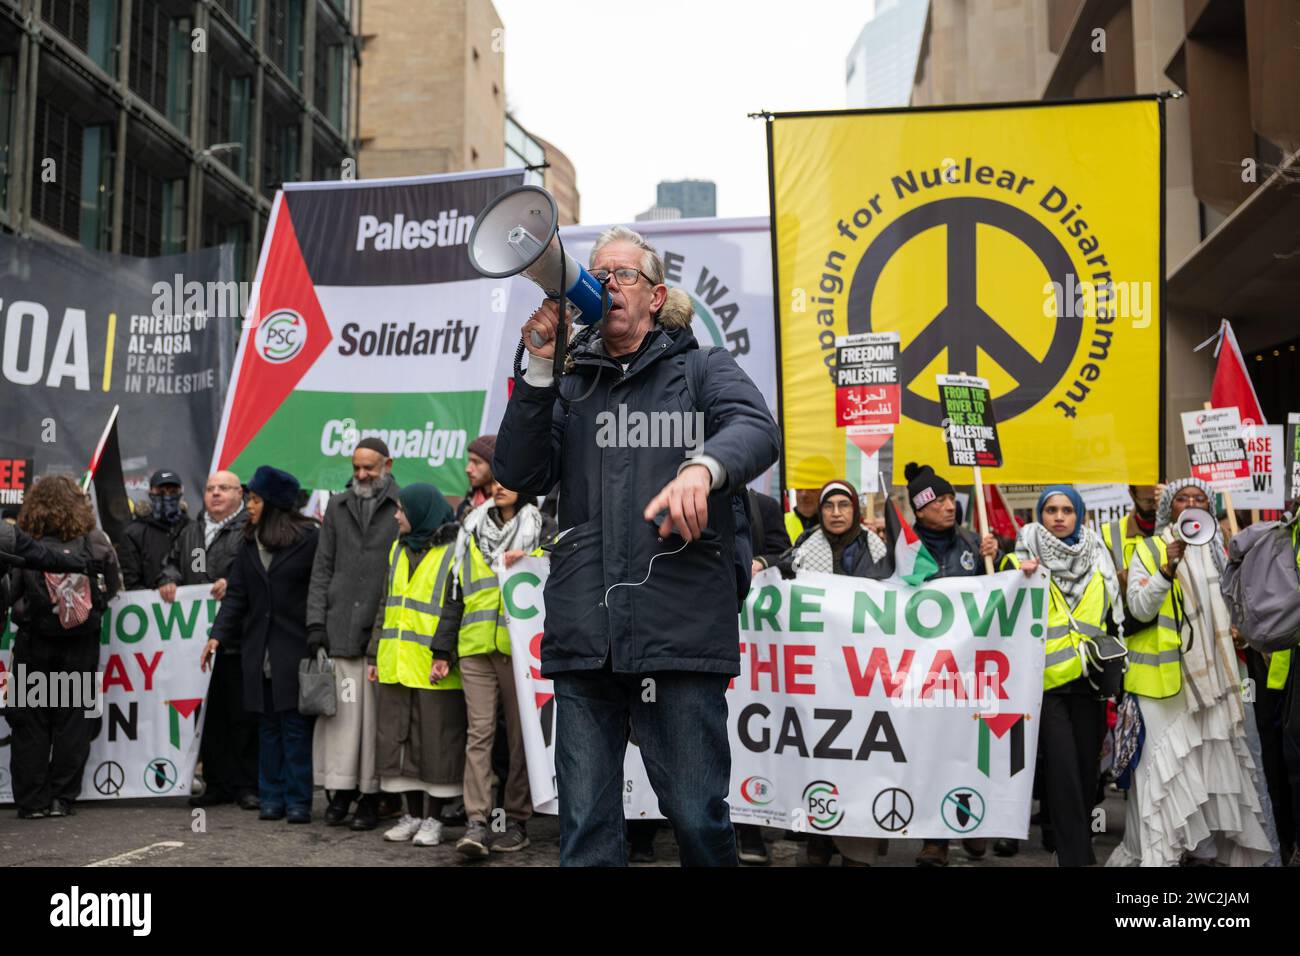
(316, 638)
(786, 567)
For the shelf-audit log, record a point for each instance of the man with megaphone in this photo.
(641, 603)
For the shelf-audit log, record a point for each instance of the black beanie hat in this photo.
(277, 488)
(923, 485)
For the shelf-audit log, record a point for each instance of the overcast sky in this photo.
(687, 71)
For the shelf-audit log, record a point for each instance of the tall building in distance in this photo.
(693, 198)
(148, 127)
(882, 63)
(1232, 152)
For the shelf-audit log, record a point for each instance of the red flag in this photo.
(1232, 385)
(1002, 520)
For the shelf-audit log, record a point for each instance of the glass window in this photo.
(173, 239)
(8, 77)
(96, 231)
(178, 75)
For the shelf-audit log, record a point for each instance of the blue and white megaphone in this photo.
(518, 234)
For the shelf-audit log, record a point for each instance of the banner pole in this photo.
(981, 514)
(1227, 499)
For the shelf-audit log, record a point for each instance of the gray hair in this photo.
(651, 263)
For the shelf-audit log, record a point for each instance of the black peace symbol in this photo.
(109, 777)
(963, 327)
(892, 809)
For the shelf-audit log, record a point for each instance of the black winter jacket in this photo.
(268, 608)
(963, 558)
(217, 558)
(684, 618)
(144, 548)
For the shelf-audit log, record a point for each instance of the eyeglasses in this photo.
(625, 276)
(835, 507)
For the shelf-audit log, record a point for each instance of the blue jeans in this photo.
(284, 778)
(683, 740)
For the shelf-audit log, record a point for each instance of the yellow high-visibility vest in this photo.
(411, 612)
(1118, 543)
(1155, 653)
(793, 525)
(483, 627)
(1068, 627)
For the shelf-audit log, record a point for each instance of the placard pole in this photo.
(1227, 500)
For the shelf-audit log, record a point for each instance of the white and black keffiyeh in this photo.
(523, 532)
(815, 554)
(1071, 565)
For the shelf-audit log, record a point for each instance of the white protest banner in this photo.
(725, 265)
(863, 708)
(1215, 449)
(1105, 503)
(146, 700)
(1268, 473)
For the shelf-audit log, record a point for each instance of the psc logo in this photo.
(757, 790)
(281, 336)
(822, 799)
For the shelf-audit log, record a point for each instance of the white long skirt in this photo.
(1194, 790)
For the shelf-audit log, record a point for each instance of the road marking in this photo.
(134, 856)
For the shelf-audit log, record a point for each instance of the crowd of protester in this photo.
(1143, 680)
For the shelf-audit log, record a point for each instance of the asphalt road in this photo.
(167, 832)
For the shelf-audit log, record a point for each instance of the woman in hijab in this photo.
(421, 747)
(838, 544)
(1194, 797)
(1083, 592)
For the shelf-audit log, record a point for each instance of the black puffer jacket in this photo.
(684, 617)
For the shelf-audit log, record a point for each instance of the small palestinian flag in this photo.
(913, 563)
(105, 475)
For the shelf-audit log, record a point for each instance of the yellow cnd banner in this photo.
(1022, 244)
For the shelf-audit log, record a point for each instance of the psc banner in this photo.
(863, 708)
(1010, 243)
(84, 331)
(145, 698)
(369, 321)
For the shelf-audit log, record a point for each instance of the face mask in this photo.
(166, 507)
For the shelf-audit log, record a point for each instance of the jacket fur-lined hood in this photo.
(677, 311)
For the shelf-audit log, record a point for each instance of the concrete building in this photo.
(433, 93)
(154, 126)
(433, 98)
(880, 67)
(695, 198)
(1232, 177)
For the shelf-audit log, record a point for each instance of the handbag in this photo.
(317, 689)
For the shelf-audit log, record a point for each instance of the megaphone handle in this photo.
(561, 339)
